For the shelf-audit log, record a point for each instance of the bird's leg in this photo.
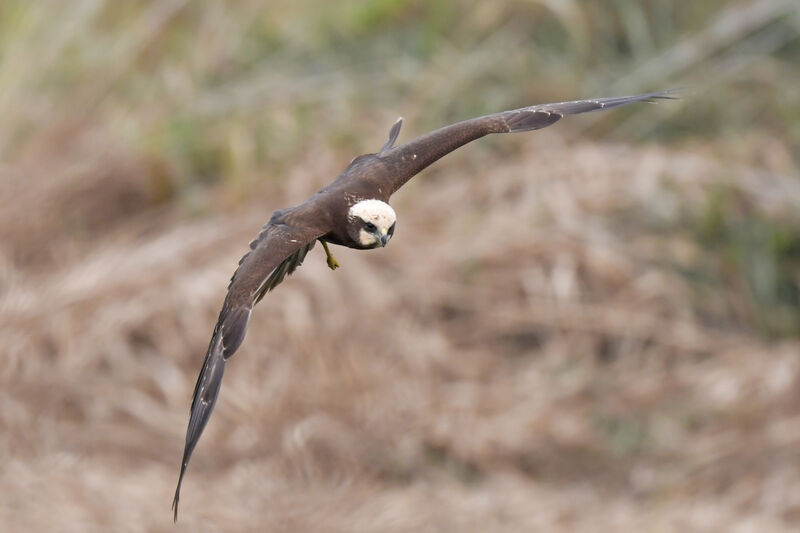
(332, 262)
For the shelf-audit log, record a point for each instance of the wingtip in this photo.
(668, 94)
(175, 508)
(177, 498)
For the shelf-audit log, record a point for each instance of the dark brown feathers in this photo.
(407, 160)
(278, 250)
(284, 241)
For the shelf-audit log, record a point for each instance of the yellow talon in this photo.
(332, 262)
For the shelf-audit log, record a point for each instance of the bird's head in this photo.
(371, 223)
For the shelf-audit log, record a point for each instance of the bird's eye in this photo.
(369, 226)
(391, 230)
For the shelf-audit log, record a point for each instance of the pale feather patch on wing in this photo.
(527, 120)
(234, 329)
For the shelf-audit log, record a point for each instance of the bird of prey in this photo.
(352, 211)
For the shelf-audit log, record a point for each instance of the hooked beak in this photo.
(381, 237)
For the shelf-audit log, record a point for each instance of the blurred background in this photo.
(595, 327)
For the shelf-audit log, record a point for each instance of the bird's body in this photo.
(352, 211)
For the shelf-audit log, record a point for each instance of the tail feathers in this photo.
(393, 133)
(228, 336)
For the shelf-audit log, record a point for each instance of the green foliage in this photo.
(748, 248)
(441, 60)
(623, 435)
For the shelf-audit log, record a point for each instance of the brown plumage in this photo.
(352, 212)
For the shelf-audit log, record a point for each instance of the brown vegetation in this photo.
(519, 357)
(567, 333)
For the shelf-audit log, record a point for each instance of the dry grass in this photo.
(520, 362)
(563, 336)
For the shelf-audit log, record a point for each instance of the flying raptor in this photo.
(352, 211)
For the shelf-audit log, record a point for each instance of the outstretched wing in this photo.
(277, 251)
(406, 160)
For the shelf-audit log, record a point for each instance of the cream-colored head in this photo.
(371, 223)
